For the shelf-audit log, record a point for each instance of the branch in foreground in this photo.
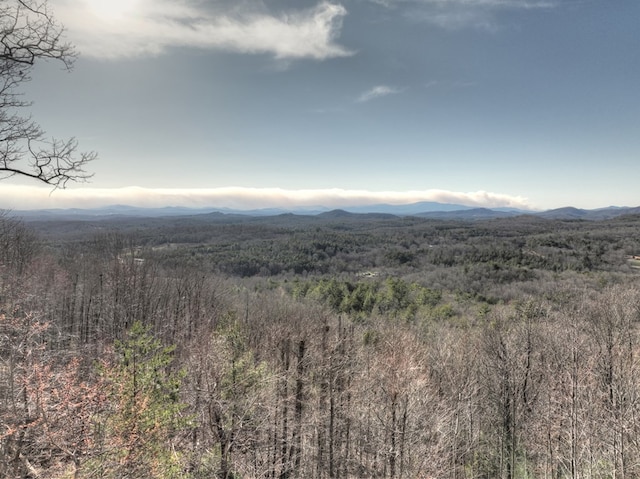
(56, 164)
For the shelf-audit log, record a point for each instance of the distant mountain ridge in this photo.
(571, 213)
(410, 209)
(471, 213)
(431, 210)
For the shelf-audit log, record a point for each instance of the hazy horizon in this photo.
(237, 198)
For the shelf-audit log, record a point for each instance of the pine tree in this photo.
(146, 418)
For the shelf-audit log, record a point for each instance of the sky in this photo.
(528, 104)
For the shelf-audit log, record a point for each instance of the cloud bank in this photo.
(32, 197)
(149, 27)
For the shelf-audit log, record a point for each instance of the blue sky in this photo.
(523, 103)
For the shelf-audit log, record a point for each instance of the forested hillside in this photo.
(299, 347)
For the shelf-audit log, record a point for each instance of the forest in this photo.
(367, 346)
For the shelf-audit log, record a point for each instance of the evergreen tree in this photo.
(141, 432)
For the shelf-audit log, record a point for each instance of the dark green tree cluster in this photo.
(391, 297)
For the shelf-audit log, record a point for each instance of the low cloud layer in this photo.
(132, 28)
(31, 197)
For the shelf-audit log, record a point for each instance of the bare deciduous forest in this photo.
(292, 346)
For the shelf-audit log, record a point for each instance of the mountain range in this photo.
(431, 210)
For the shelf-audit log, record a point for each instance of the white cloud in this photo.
(527, 4)
(458, 14)
(31, 197)
(153, 26)
(457, 19)
(377, 92)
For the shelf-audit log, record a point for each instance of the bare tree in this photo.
(613, 327)
(28, 34)
(18, 246)
(513, 366)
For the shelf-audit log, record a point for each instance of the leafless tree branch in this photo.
(28, 34)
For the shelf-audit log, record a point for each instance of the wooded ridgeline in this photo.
(424, 349)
